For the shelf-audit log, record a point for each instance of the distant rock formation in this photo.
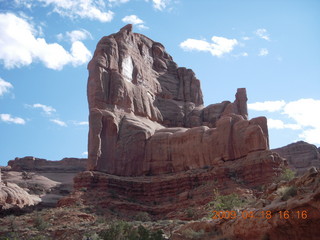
(147, 115)
(43, 165)
(300, 156)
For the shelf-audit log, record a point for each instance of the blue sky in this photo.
(270, 47)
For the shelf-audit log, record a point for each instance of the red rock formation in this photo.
(147, 114)
(296, 218)
(39, 164)
(300, 156)
(165, 195)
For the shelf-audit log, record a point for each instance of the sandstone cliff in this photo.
(147, 115)
(300, 156)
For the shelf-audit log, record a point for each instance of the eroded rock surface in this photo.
(11, 195)
(38, 164)
(300, 156)
(147, 115)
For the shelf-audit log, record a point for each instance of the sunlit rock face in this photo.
(147, 115)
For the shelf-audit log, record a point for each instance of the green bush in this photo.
(227, 202)
(287, 192)
(287, 175)
(121, 230)
(39, 223)
(142, 216)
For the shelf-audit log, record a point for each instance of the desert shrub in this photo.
(39, 223)
(287, 192)
(192, 234)
(287, 175)
(190, 212)
(121, 230)
(227, 202)
(94, 236)
(142, 216)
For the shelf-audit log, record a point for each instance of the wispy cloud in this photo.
(270, 106)
(75, 35)
(160, 4)
(4, 87)
(86, 9)
(58, 122)
(303, 112)
(263, 52)
(262, 33)
(218, 47)
(9, 119)
(279, 124)
(20, 46)
(46, 109)
(83, 123)
(134, 19)
(85, 154)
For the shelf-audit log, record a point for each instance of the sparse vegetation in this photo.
(192, 234)
(121, 230)
(287, 175)
(190, 212)
(227, 202)
(39, 223)
(142, 216)
(287, 192)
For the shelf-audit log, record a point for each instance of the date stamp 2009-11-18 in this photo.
(245, 214)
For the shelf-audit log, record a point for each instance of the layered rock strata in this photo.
(147, 115)
(300, 156)
(42, 165)
(165, 195)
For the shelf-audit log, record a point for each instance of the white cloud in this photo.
(262, 33)
(85, 154)
(78, 35)
(279, 124)
(304, 113)
(246, 38)
(218, 47)
(142, 27)
(160, 4)
(47, 109)
(133, 19)
(9, 119)
(270, 106)
(20, 47)
(115, 2)
(58, 122)
(81, 123)
(263, 52)
(4, 87)
(89, 9)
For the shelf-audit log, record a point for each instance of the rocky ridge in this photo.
(300, 156)
(30, 163)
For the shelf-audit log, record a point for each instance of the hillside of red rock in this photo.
(300, 156)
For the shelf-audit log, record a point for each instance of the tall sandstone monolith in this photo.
(147, 115)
